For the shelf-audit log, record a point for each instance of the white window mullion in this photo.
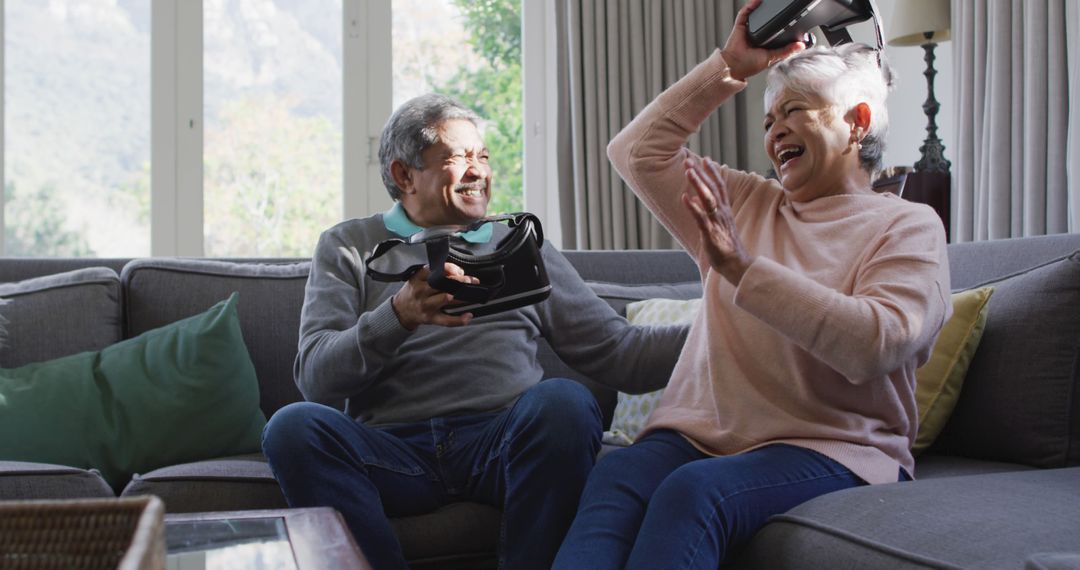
(368, 98)
(540, 91)
(176, 194)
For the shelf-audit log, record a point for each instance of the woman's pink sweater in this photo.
(818, 345)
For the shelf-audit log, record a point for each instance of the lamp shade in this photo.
(912, 19)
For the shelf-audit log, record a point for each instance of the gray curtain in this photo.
(1017, 71)
(614, 57)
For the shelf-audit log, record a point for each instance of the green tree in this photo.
(132, 197)
(494, 91)
(268, 189)
(35, 226)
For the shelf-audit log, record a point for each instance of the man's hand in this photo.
(418, 303)
(744, 60)
(707, 199)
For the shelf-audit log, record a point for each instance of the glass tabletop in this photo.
(227, 544)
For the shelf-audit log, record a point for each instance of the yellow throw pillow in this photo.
(938, 381)
(633, 410)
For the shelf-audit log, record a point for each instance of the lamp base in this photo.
(933, 152)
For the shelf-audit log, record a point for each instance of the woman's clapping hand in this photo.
(707, 199)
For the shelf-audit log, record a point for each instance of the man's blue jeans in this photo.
(661, 503)
(531, 461)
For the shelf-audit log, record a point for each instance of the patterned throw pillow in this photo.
(633, 410)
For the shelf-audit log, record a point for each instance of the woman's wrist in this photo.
(730, 60)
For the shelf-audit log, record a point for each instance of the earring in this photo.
(856, 138)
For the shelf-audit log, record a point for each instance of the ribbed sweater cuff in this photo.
(381, 329)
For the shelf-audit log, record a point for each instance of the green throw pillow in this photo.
(938, 382)
(184, 392)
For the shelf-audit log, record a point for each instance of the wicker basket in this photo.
(121, 534)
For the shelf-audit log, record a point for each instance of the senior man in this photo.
(445, 408)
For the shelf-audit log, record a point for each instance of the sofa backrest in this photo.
(53, 315)
(158, 291)
(972, 263)
(1020, 407)
(1020, 400)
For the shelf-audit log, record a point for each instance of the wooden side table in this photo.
(932, 189)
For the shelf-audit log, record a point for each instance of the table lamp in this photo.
(925, 23)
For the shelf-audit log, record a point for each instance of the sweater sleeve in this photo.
(897, 308)
(649, 153)
(590, 337)
(342, 344)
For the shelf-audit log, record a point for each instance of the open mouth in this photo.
(788, 153)
(474, 190)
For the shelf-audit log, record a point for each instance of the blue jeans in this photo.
(531, 461)
(661, 503)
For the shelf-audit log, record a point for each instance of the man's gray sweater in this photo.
(353, 347)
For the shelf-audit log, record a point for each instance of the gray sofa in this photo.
(999, 489)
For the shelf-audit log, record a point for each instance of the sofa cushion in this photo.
(57, 315)
(234, 483)
(977, 521)
(939, 380)
(457, 535)
(163, 290)
(930, 466)
(619, 296)
(176, 393)
(20, 480)
(1053, 561)
(1020, 403)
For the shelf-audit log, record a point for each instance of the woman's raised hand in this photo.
(707, 199)
(745, 60)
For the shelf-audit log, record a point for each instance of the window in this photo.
(231, 128)
(272, 178)
(76, 128)
(471, 51)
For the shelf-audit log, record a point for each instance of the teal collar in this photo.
(398, 222)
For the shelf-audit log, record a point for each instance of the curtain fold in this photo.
(619, 55)
(1018, 93)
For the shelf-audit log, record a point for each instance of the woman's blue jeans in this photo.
(661, 503)
(531, 461)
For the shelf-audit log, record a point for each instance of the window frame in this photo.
(176, 121)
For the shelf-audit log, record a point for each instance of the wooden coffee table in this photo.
(278, 539)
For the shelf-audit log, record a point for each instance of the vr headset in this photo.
(777, 23)
(511, 273)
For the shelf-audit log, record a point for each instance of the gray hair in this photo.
(844, 75)
(413, 128)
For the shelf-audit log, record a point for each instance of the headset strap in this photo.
(437, 240)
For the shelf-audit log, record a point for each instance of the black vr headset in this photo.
(511, 271)
(777, 23)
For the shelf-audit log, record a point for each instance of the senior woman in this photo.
(821, 298)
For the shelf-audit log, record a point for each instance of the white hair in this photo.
(845, 76)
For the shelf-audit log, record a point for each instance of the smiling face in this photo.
(810, 144)
(454, 186)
